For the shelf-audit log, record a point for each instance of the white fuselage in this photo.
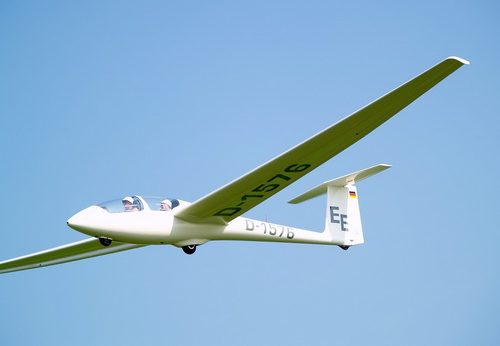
(162, 227)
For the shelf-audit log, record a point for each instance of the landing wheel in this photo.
(189, 249)
(344, 247)
(105, 241)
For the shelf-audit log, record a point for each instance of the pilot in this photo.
(128, 204)
(166, 205)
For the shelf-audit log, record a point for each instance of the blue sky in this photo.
(99, 99)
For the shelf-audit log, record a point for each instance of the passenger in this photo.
(166, 205)
(128, 204)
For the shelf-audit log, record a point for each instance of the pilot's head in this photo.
(128, 203)
(166, 205)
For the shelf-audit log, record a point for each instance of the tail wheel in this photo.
(344, 247)
(189, 249)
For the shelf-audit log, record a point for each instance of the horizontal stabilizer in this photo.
(341, 181)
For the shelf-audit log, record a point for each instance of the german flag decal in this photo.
(352, 194)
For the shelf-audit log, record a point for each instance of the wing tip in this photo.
(459, 59)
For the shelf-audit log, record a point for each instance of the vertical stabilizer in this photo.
(342, 220)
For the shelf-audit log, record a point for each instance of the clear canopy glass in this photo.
(138, 203)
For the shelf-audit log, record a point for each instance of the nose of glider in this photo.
(84, 220)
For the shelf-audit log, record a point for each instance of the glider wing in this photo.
(244, 193)
(87, 248)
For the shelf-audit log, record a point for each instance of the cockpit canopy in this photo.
(139, 203)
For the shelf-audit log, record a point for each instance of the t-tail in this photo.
(342, 217)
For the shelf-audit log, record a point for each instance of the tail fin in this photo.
(342, 220)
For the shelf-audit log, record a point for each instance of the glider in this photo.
(136, 221)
